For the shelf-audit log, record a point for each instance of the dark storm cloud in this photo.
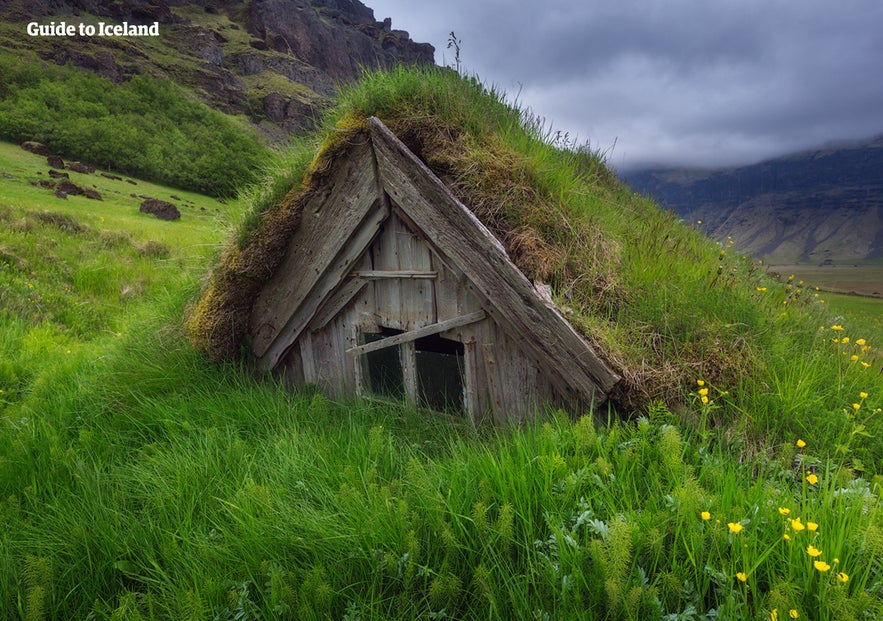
(681, 81)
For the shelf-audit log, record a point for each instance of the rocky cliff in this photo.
(275, 61)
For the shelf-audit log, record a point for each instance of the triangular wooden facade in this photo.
(385, 252)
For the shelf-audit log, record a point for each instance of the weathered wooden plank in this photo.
(308, 359)
(327, 221)
(491, 376)
(401, 274)
(409, 370)
(417, 296)
(413, 335)
(333, 304)
(581, 377)
(387, 293)
(347, 256)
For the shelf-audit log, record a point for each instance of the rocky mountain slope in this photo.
(275, 61)
(818, 206)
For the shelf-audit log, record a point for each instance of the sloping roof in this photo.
(375, 175)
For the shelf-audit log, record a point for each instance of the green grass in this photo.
(138, 480)
(145, 127)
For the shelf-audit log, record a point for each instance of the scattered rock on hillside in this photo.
(132, 181)
(69, 188)
(95, 195)
(161, 209)
(110, 176)
(55, 162)
(57, 174)
(36, 147)
(80, 167)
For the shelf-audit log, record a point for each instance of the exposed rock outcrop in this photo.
(276, 61)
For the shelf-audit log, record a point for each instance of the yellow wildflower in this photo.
(812, 527)
(784, 510)
(812, 479)
(813, 552)
(800, 443)
(704, 399)
(742, 576)
(705, 515)
(837, 328)
(700, 382)
(796, 525)
(735, 527)
(703, 391)
(863, 395)
(866, 364)
(842, 577)
(821, 565)
(844, 340)
(860, 341)
(793, 614)
(761, 288)
(856, 406)
(774, 615)
(854, 357)
(786, 537)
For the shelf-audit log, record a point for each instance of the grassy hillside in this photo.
(143, 127)
(139, 480)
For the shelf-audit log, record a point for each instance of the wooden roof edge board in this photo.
(334, 273)
(451, 226)
(329, 219)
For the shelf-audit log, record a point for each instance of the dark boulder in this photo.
(55, 162)
(161, 209)
(57, 174)
(36, 147)
(80, 167)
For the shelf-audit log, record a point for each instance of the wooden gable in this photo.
(386, 257)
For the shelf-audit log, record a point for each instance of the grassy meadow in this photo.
(139, 480)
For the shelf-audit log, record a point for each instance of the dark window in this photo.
(382, 369)
(440, 373)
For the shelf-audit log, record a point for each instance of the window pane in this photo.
(382, 369)
(440, 373)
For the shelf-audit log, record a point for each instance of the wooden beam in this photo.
(577, 373)
(413, 335)
(404, 274)
(335, 303)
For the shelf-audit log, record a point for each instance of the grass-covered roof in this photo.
(661, 303)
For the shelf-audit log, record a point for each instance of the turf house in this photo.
(390, 287)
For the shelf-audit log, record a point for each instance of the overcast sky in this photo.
(672, 82)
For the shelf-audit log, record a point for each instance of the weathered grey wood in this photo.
(409, 371)
(413, 335)
(580, 375)
(387, 293)
(308, 359)
(401, 274)
(294, 368)
(327, 221)
(334, 273)
(493, 384)
(332, 305)
(470, 381)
